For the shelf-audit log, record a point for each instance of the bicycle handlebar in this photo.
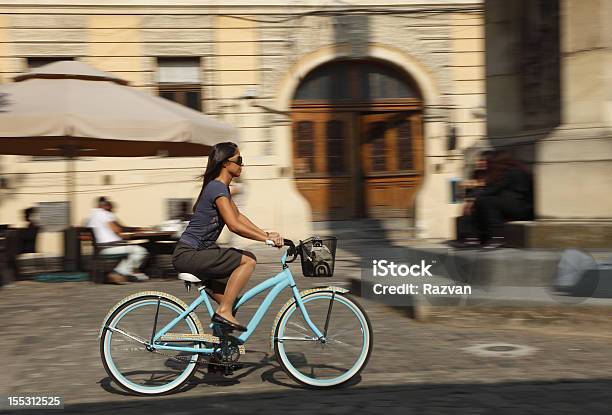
(286, 242)
(292, 251)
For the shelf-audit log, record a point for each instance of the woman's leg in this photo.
(217, 297)
(237, 280)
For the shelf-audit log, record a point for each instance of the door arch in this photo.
(358, 140)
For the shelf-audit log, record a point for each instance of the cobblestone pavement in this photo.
(50, 346)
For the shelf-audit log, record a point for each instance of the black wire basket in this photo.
(318, 255)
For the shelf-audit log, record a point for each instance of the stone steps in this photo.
(368, 229)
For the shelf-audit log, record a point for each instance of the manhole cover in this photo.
(500, 350)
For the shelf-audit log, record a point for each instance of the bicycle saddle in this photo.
(190, 279)
(185, 276)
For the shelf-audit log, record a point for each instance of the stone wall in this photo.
(563, 127)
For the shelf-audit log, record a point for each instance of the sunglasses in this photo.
(238, 161)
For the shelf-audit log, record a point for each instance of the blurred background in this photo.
(304, 83)
(358, 119)
(367, 115)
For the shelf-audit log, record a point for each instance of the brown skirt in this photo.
(212, 265)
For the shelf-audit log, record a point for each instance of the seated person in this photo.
(28, 234)
(107, 233)
(20, 244)
(467, 232)
(507, 196)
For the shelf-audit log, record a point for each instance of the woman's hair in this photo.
(500, 164)
(219, 154)
(487, 155)
(27, 213)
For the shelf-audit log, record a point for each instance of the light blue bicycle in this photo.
(151, 342)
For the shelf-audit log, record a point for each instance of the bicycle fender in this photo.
(302, 295)
(145, 294)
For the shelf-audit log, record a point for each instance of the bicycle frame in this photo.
(276, 284)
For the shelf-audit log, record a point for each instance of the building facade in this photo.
(549, 100)
(344, 112)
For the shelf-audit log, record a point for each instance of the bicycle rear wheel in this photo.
(343, 354)
(126, 357)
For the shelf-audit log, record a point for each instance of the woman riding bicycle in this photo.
(226, 269)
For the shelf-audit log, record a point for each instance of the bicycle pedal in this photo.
(189, 337)
(237, 366)
(220, 330)
(221, 333)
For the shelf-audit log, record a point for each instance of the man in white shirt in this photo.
(106, 231)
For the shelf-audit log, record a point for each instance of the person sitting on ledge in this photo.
(507, 196)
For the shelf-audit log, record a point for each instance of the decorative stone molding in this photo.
(353, 38)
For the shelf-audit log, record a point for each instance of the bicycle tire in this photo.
(119, 310)
(292, 372)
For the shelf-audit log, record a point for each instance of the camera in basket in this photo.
(318, 256)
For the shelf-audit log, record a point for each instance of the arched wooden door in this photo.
(357, 141)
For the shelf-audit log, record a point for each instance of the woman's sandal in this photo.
(216, 318)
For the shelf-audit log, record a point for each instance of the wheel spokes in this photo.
(128, 335)
(135, 365)
(338, 354)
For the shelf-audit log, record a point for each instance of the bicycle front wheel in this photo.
(334, 361)
(125, 355)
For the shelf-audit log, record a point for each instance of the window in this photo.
(382, 82)
(355, 81)
(404, 144)
(335, 146)
(54, 216)
(389, 145)
(304, 139)
(179, 81)
(376, 139)
(179, 208)
(37, 62)
(327, 82)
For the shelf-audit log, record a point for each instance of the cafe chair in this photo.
(99, 264)
(7, 258)
(163, 258)
(28, 261)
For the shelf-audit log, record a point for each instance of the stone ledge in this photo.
(524, 312)
(570, 234)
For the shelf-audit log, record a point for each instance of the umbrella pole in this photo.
(71, 152)
(70, 187)
(72, 248)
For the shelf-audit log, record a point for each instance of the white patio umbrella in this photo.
(68, 109)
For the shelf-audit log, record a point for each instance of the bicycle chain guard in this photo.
(229, 357)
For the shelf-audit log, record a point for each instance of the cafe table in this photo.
(154, 241)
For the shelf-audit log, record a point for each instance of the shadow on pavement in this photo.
(202, 377)
(543, 397)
